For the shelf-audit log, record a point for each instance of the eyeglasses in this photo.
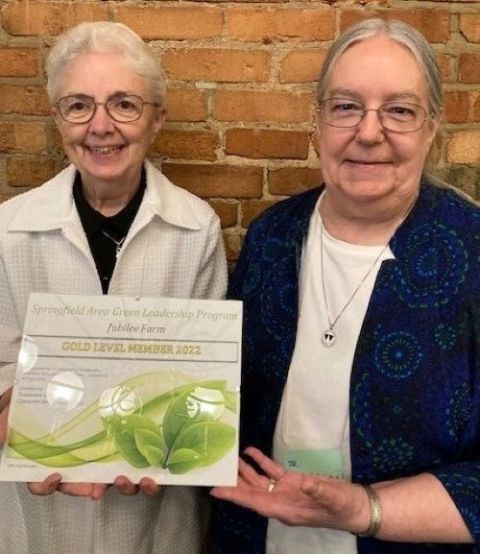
(80, 108)
(399, 117)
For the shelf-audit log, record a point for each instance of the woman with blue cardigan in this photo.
(361, 360)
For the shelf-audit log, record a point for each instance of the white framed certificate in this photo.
(142, 387)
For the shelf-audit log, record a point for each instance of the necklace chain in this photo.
(329, 337)
(118, 243)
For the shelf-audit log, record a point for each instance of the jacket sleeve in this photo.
(211, 280)
(10, 332)
(462, 479)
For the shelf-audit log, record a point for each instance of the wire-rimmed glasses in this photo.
(80, 108)
(399, 117)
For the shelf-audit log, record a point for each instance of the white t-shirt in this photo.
(312, 432)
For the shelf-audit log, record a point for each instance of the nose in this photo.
(370, 129)
(101, 123)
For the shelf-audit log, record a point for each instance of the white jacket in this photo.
(174, 248)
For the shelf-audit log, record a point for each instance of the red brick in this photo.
(446, 64)
(217, 181)
(217, 65)
(302, 66)
(469, 67)
(463, 147)
(18, 62)
(233, 245)
(169, 22)
(22, 137)
(470, 26)
(246, 105)
(293, 180)
(226, 211)
(188, 145)
(24, 99)
(433, 24)
(186, 105)
(462, 106)
(48, 18)
(29, 173)
(248, 1)
(271, 24)
(252, 209)
(261, 143)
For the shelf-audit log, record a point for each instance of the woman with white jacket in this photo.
(110, 223)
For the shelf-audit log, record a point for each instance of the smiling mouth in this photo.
(365, 162)
(104, 149)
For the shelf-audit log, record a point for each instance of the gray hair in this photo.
(104, 36)
(403, 34)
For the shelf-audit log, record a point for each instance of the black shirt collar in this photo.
(105, 235)
(119, 224)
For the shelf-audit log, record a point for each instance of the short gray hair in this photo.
(104, 36)
(399, 32)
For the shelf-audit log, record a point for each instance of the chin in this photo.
(106, 169)
(103, 174)
(367, 192)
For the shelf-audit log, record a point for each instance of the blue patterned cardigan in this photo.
(415, 382)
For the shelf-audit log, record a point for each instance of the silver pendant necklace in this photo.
(329, 336)
(118, 243)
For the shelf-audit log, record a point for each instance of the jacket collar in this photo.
(162, 198)
(424, 210)
(52, 206)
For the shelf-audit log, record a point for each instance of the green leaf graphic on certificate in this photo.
(200, 444)
(180, 429)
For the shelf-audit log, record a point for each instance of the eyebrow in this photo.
(404, 95)
(120, 93)
(116, 93)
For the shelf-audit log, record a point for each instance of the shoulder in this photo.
(439, 247)
(456, 213)
(28, 208)
(175, 204)
(273, 244)
(452, 202)
(287, 218)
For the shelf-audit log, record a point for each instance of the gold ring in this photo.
(271, 485)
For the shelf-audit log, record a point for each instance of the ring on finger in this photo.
(271, 485)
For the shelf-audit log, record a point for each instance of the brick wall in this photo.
(241, 80)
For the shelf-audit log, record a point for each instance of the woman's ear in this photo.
(160, 116)
(433, 125)
(56, 116)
